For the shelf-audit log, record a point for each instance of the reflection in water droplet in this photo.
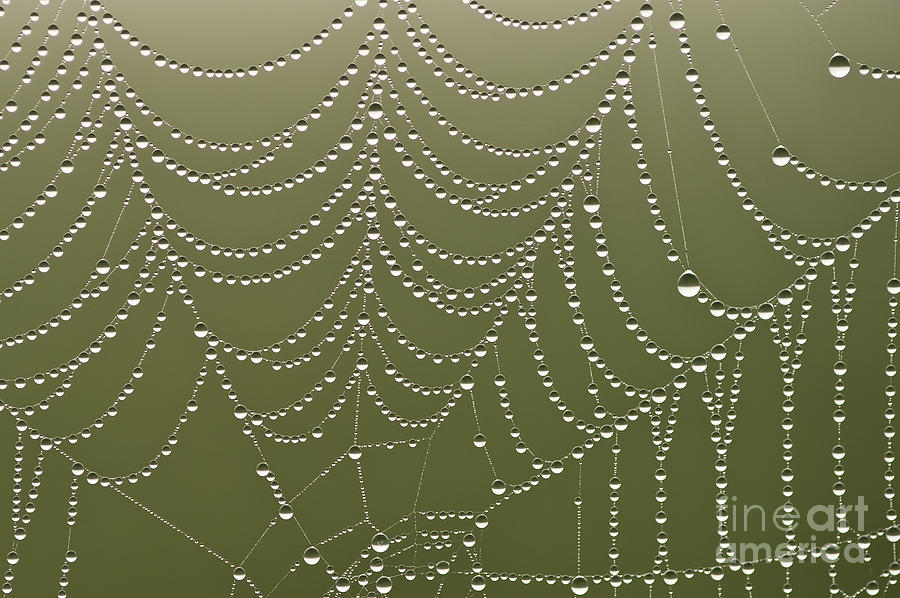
(311, 555)
(839, 66)
(781, 156)
(580, 586)
(688, 284)
(380, 542)
(591, 204)
(893, 286)
(676, 21)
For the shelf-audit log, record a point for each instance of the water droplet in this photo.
(383, 584)
(311, 555)
(591, 204)
(839, 65)
(688, 284)
(893, 286)
(380, 542)
(103, 267)
(580, 586)
(498, 487)
(781, 156)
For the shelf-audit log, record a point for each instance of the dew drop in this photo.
(781, 156)
(311, 555)
(103, 267)
(380, 542)
(839, 66)
(676, 21)
(579, 585)
(688, 284)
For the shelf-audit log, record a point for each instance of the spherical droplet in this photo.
(839, 65)
(580, 585)
(723, 32)
(498, 487)
(103, 267)
(285, 511)
(688, 284)
(342, 585)
(383, 584)
(311, 555)
(893, 286)
(380, 542)
(781, 156)
(591, 204)
(676, 21)
(479, 583)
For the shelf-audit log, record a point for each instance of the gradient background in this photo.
(845, 128)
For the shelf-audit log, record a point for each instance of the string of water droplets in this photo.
(514, 293)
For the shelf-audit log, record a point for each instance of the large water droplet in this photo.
(380, 542)
(498, 487)
(676, 20)
(839, 65)
(893, 286)
(580, 585)
(591, 204)
(781, 156)
(688, 284)
(311, 555)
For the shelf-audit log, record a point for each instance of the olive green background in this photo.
(845, 128)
